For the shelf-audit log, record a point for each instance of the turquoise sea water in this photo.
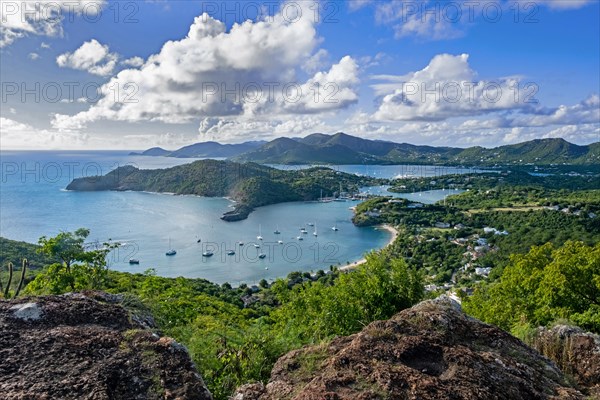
(34, 203)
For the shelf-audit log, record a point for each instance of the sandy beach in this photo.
(386, 227)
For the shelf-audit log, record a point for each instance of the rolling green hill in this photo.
(290, 151)
(203, 150)
(341, 148)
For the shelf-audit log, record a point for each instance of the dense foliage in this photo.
(13, 251)
(555, 181)
(542, 286)
(314, 311)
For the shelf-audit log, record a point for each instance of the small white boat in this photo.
(241, 243)
(230, 252)
(276, 231)
(280, 241)
(257, 245)
(300, 238)
(310, 224)
(315, 232)
(334, 228)
(207, 254)
(262, 255)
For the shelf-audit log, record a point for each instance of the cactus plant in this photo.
(6, 289)
(24, 266)
(10, 275)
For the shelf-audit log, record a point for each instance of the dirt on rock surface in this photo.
(432, 351)
(88, 346)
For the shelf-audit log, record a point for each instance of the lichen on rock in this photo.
(431, 351)
(88, 346)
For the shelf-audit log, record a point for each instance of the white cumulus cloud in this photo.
(252, 70)
(92, 57)
(447, 87)
(133, 62)
(41, 17)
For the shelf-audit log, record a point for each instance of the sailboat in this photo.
(323, 200)
(259, 237)
(171, 252)
(276, 231)
(315, 232)
(340, 198)
(334, 228)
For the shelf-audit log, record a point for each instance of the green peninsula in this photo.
(250, 185)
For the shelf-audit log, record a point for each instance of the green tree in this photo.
(543, 286)
(376, 290)
(66, 246)
(79, 268)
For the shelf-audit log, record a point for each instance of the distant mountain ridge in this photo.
(203, 150)
(342, 148)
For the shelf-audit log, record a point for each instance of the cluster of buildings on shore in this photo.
(476, 247)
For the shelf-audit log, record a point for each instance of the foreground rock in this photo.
(576, 352)
(431, 351)
(79, 347)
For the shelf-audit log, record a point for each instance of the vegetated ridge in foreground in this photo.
(428, 352)
(250, 185)
(236, 335)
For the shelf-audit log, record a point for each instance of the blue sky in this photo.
(501, 72)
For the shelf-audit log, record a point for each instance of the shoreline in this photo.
(394, 232)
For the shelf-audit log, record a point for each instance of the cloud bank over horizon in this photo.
(279, 75)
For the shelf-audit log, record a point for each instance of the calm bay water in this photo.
(34, 203)
(425, 197)
(394, 171)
